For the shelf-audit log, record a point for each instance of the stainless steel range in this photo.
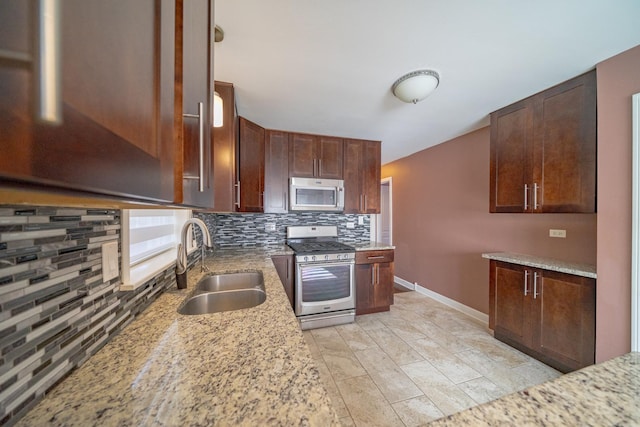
(324, 280)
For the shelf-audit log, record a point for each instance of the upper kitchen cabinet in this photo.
(87, 96)
(276, 172)
(361, 176)
(195, 87)
(250, 185)
(543, 151)
(315, 156)
(224, 151)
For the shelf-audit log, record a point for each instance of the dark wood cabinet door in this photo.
(564, 319)
(302, 160)
(361, 173)
(364, 274)
(197, 103)
(371, 177)
(353, 153)
(510, 167)
(565, 152)
(510, 304)
(329, 155)
(224, 152)
(383, 288)
(285, 267)
(276, 173)
(251, 166)
(116, 132)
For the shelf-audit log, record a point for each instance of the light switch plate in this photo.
(558, 233)
(360, 220)
(270, 226)
(110, 263)
(351, 225)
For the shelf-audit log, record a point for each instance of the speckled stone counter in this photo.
(371, 246)
(584, 270)
(606, 394)
(247, 367)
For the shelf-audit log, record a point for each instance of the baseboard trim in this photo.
(471, 312)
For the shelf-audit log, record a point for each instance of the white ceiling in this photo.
(327, 66)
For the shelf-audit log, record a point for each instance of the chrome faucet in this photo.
(182, 247)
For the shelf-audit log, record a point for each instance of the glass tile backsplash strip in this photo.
(252, 230)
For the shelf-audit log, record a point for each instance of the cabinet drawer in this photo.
(370, 257)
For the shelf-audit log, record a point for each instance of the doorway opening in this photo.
(384, 220)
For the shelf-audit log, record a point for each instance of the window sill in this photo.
(147, 270)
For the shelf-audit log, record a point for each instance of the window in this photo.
(150, 240)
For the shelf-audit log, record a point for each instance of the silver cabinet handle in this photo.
(288, 260)
(364, 205)
(377, 274)
(526, 284)
(535, 196)
(319, 167)
(535, 284)
(237, 194)
(526, 197)
(47, 71)
(376, 257)
(200, 117)
(373, 275)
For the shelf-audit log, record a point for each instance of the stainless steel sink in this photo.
(231, 281)
(215, 302)
(225, 292)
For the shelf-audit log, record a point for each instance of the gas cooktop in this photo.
(318, 246)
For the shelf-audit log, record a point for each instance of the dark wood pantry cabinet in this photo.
(374, 281)
(315, 156)
(250, 185)
(361, 176)
(276, 172)
(546, 314)
(90, 108)
(543, 151)
(224, 152)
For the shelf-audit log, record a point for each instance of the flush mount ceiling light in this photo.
(415, 86)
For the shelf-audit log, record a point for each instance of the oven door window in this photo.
(315, 197)
(325, 282)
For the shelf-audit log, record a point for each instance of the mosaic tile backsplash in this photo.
(249, 230)
(55, 309)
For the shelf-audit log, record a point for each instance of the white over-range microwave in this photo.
(311, 194)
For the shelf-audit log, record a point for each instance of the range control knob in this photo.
(306, 258)
(338, 256)
(313, 258)
(326, 257)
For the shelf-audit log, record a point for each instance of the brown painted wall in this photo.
(441, 222)
(618, 79)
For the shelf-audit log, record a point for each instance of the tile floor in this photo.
(416, 363)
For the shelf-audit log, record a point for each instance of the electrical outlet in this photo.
(351, 225)
(360, 220)
(558, 233)
(110, 267)
(270, 226)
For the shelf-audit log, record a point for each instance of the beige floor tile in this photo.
(347, 422)
(369, 321)
(367, 405)
(438, 388)
(447, 340)
(482, 390)
(537, 372)
(402, 328)
(417, 411)
(332, 389)
(311, 343)
(343, 364)
(398, 350)
(355, 337)
(328, 339)
(394, 384)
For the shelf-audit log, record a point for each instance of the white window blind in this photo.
(150, 240)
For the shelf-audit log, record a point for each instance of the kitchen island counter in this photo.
(606, 394)
(243, 367)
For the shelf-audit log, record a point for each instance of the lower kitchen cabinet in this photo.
(374, 281)
(285, 267)
(546, 314)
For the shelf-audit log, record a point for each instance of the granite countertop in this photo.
(370, 246)
(237, 368)
(578, 269)
(606, 394)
